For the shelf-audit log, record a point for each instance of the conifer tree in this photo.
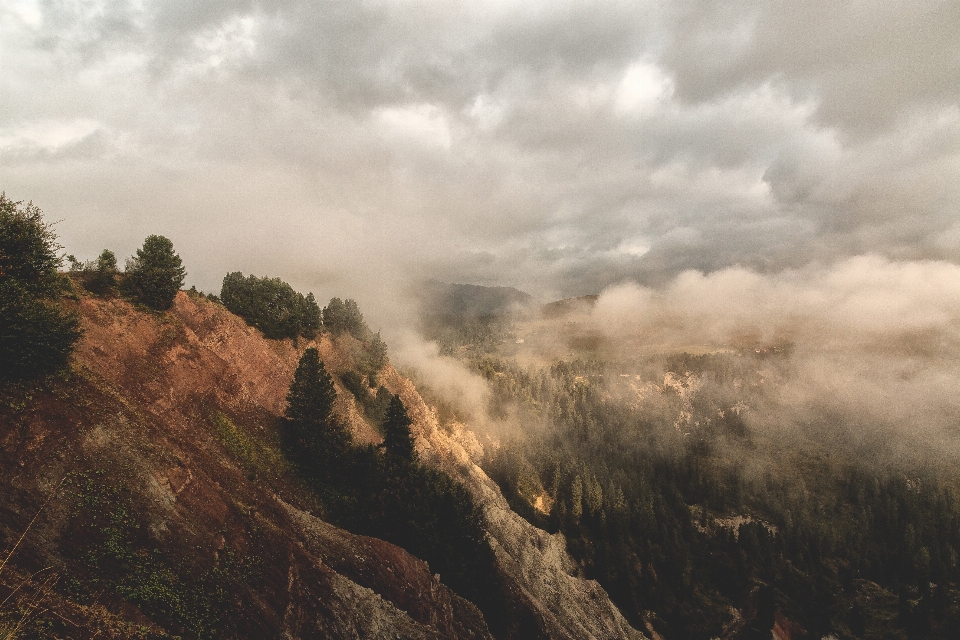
(373, 358)
(101, 276)
(322, 440)
(397, 441)
(311, 318)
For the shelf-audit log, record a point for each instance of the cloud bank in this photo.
(872, 345)
(559, 147)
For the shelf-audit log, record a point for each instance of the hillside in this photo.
(470, 300)
(165, 507)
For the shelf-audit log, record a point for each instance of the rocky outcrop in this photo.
(405, 580)
(536, 564)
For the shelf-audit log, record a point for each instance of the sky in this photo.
(559, 147)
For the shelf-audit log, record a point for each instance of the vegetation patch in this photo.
(254, 450)
(271, 305)
(37, 334)
(112, 544)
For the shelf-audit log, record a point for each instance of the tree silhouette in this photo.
(343, 316)
(155, 274)
(101, 276)
(397, 441)
(320, 440)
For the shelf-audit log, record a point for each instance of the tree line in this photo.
(38, 334)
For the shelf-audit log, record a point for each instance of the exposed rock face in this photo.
(373, 563)
(537, 563)
(140, 418)
(200, 352)
(132, 432)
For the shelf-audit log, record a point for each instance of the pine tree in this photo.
(397, 441)
(373, 358)
(155, 274)
(311, 318)
(320, 440)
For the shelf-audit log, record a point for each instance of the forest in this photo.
(673, 493)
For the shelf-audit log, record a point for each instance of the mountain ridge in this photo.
(172, 416)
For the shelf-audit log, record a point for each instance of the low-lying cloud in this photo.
(871, 346)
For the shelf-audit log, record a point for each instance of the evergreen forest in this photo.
(673, 494)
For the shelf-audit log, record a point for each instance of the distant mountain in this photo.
(566, 306)
(471, 300)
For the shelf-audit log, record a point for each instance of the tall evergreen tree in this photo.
(155, 274)
(397, 441)
(311, 319)
(373, 358)
(321, 439)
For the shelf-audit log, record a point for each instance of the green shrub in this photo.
(36, 334)
(271, 305)
(254, 451)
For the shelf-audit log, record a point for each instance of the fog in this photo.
(872, 343)
(861, 353)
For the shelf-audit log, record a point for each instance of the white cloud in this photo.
(644, 87)
(487, 112)
(28, 12)
(423, 124)
(235, 39)
(46, 136)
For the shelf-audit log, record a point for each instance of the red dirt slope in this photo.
(159, 450)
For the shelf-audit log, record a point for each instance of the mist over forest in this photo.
(872, 341)
(783, 443)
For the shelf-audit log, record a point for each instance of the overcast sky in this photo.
(555, 146)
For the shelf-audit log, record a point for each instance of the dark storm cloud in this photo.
(555, 146)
